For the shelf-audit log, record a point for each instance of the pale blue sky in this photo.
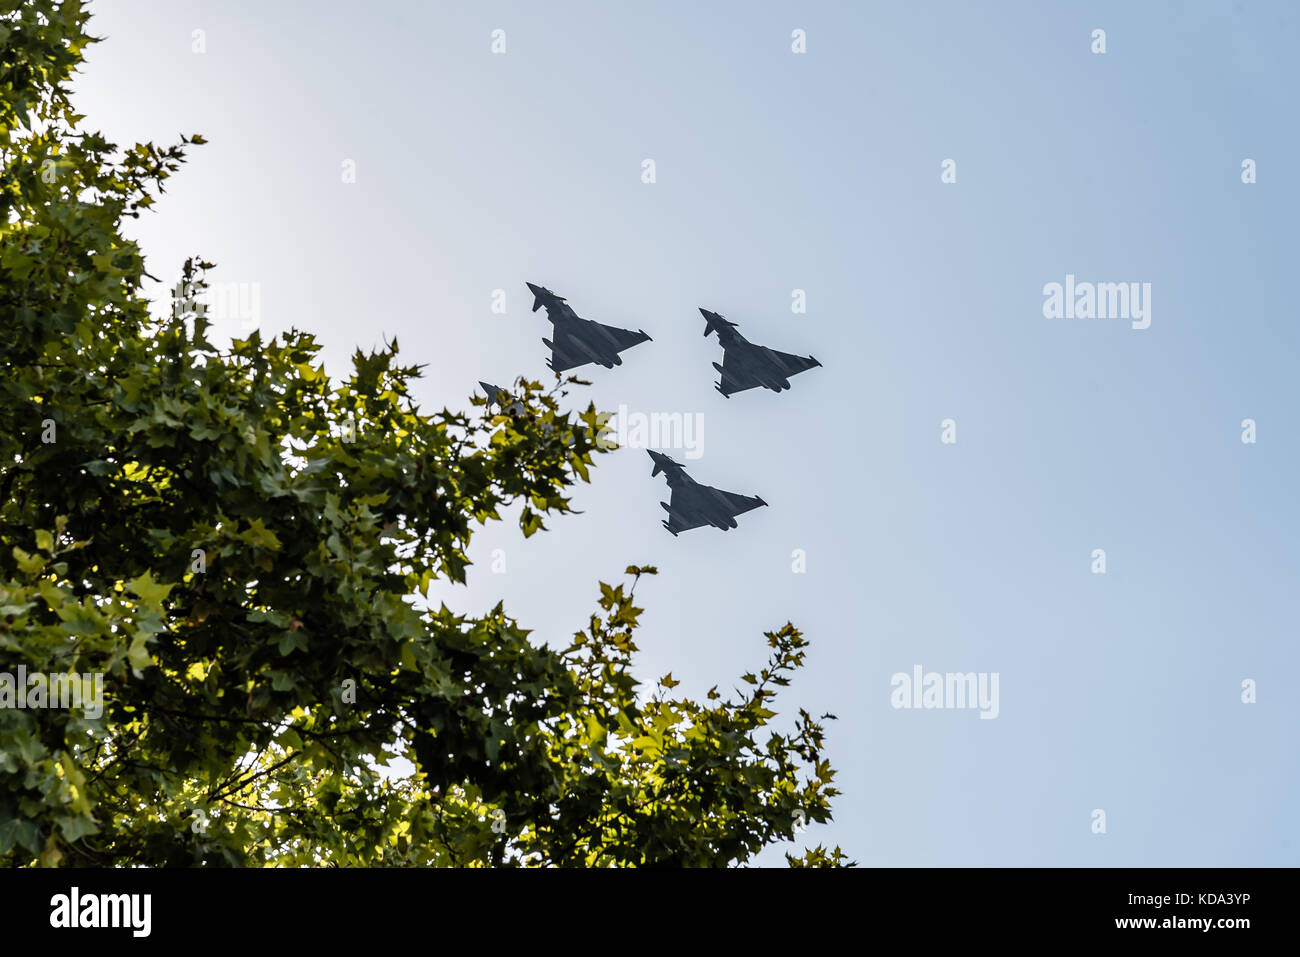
(821, 172)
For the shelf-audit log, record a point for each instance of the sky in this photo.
(377, 170)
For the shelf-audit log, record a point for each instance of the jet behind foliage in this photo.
(576, 341)
(694, 505)
(746, 365)
(500, 398)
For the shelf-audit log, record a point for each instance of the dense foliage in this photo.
(238, 543)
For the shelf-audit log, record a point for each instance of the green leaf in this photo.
(28, 564)
(149, 591)
(138, 653)
(75, 828)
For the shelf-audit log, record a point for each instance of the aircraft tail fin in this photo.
(714, 322)
(662, 462)
(541, 295)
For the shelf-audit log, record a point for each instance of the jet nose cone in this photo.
(534, 288)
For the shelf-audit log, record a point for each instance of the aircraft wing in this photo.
(580, 341)
(620, 338)
(676, 522)
(793, 364)
(738, 504)
(565, 352)
(734, 377)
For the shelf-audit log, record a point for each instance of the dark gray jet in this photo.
(499, 398)
(694, 504)
(578, 341)
(745, 365)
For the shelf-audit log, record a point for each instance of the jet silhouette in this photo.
(693, 504)
(745, 365)
(578, 341)
(499, 397)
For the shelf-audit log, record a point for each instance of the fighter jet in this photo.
(578, 341)
(745, 365)
(498, 397)
(694, 504)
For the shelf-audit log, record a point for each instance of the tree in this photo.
(235, 541)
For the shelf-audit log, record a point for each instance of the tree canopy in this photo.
(238, 543)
